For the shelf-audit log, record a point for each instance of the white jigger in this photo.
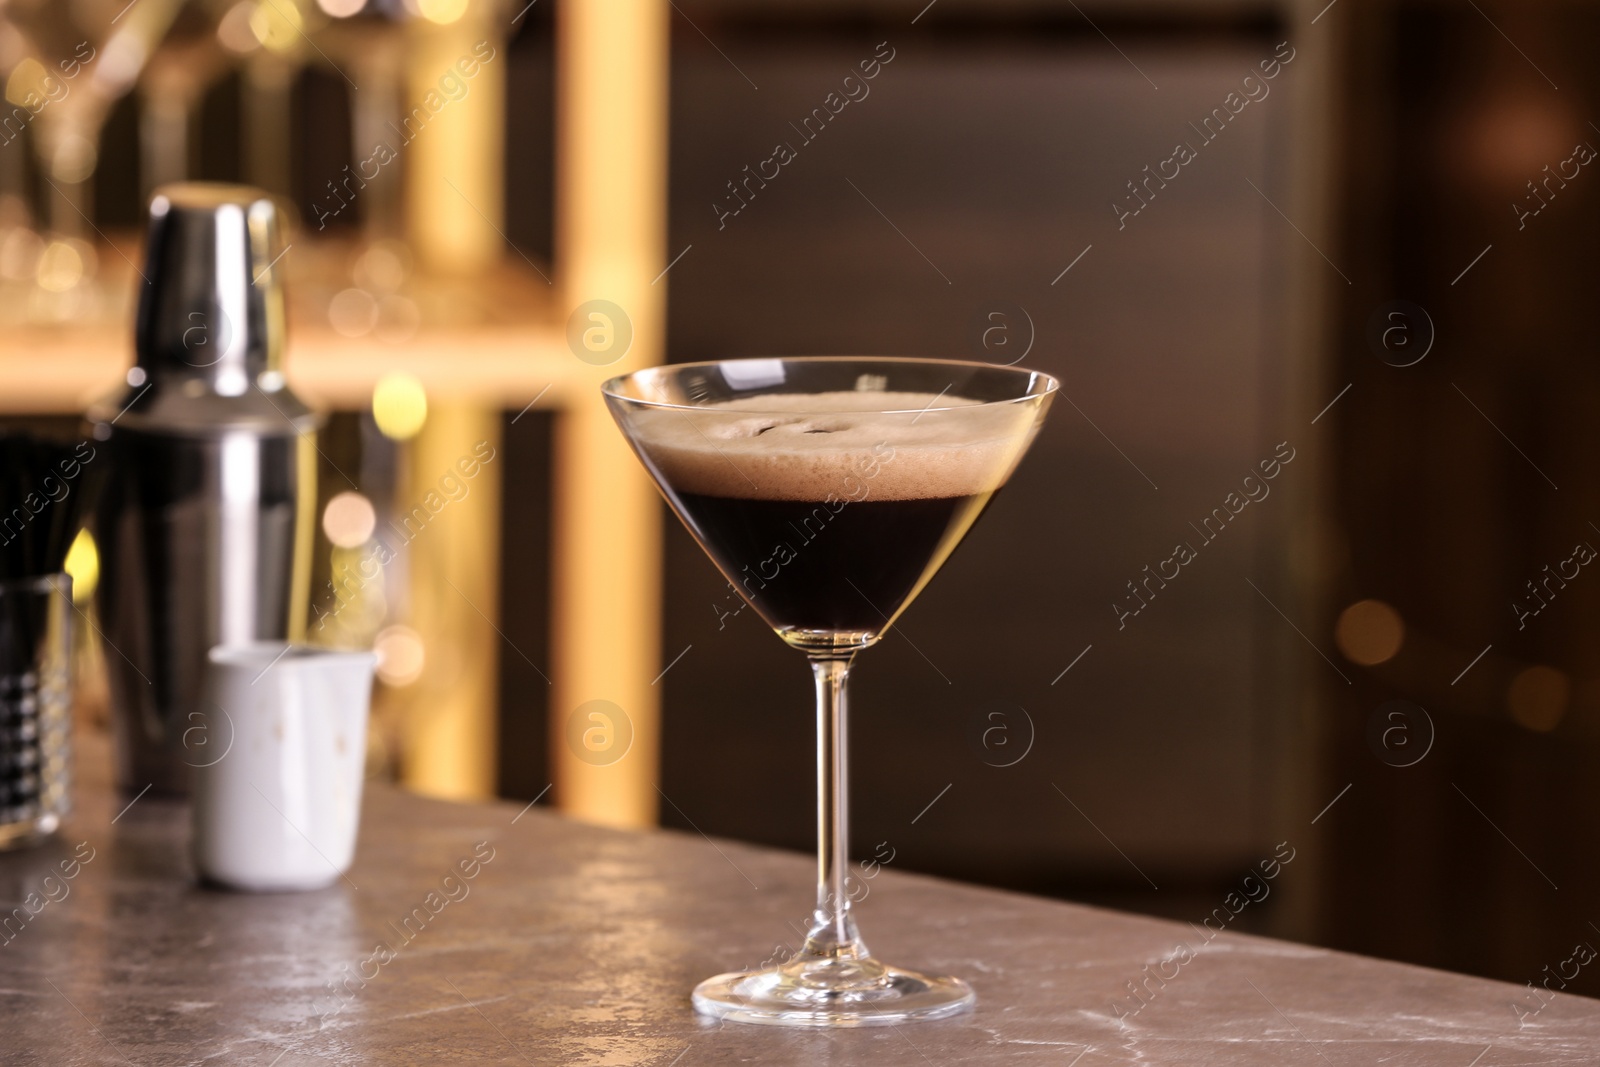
(279, 764)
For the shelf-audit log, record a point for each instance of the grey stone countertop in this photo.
(577, 945)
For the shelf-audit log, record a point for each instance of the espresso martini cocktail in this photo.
(829, 491)
(827, 512)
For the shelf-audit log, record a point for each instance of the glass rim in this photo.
(1052, 384)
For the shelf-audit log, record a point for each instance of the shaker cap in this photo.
(212, 305)
(210, 332)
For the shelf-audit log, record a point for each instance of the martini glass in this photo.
(828, 490)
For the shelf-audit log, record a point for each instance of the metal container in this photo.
(205, 525)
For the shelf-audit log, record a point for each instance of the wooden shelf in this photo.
(496, 339)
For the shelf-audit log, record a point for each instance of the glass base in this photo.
(862, 993)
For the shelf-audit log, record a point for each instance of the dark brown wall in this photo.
(997, 151)
(1460, 478)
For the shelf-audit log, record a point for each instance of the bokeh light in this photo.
(74, 158)
(234, 30)
(443, 12)
(349, 520)
(60, 267)
(83, 564)
(28, 77)
(1369, 632)
(1538, 698)
(399, 406)
(401, 655)
(383, 266)
(1511, 138)
(353, 313)
(276, 25)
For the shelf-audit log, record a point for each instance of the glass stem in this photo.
(833, 931)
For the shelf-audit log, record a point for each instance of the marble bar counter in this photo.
(489, 933)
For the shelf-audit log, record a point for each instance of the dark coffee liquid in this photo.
(844, 567)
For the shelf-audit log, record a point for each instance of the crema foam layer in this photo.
(808, 446)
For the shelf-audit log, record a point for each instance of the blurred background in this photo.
(1366, 274)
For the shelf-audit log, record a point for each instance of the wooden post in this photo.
(611, 208)
(450, 140)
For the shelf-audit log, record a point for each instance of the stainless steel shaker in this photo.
(205, 525)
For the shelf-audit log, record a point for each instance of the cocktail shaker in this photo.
(205, 526)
